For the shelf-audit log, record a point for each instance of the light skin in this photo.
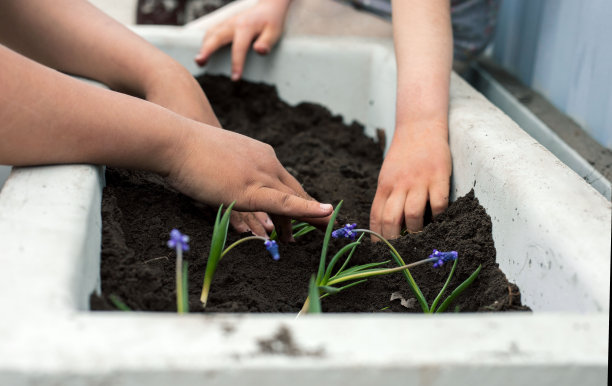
(51, 118)
(417, 167)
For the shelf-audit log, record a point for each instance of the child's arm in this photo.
(263, 21)
(73, 36)
(417, 167)
(50, 118)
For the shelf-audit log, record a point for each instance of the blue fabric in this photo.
(473, 23)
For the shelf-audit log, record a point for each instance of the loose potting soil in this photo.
(334, 162)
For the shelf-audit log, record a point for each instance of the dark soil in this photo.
(334, 162)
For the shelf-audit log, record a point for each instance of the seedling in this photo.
(324, 284)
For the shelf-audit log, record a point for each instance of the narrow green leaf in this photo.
(345, 287)
(117, 302)
(328, 289)
(296, 226)
(303, 231)
(273, 235)
(350, 255)
(334, 259)
(314, 307)
(217, 245)
(432, 309)
(359, 268)
(328, 232)
(351, 284)
(459, 290)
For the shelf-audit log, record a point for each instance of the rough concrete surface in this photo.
(568, 130)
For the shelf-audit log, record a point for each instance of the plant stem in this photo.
(413, 285)
(379, 272)
(179, 280)
(238, 242)
(208, 278)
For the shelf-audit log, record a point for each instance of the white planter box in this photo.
(551, 231)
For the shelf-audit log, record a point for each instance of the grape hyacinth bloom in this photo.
(272, 247)
(442, 257)
(178, 240)
(345, 231)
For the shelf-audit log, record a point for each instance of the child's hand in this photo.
(417, 168)
(259, 223)
(264, 21)
(215, 166)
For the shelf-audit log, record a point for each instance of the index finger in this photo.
(276, 202)
(213, 40)
(240, 47)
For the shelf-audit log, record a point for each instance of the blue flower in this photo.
(345, 231)
(178, 240)
(442, 257)
(272, 247)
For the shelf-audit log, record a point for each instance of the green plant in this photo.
(325, 283)
(218, 250)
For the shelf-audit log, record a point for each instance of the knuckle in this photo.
(243, 22)
(285, 200)
(392, 221)
(412, 213)
(438, 207)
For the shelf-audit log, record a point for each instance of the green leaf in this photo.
(273, 235)
(328, 232)
(328, 289)
(334, 259)
(350, 255)
(351, 284)
(459, 290)
(432, 309)
(314, 307)
(217, 244)
(296, 226)
(303, 231)
(359, 268)
(344, 287)
(117, 302)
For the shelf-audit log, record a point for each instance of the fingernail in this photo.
(268, 222)
(326, 207)
(235, 76)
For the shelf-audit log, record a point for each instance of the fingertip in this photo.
(235, 75)
(326, 209)
(200, 60)
(261, 49)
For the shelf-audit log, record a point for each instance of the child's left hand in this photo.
(417, 168)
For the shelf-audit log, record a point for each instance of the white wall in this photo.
(562, 49)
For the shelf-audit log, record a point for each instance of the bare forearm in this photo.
(73, 36)
(423, 48)
(48, 117)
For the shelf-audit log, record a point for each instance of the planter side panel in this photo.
(551, 229)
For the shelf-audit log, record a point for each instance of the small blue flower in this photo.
(272, 247)
(345, 231)
(178, 240)
(442, 257)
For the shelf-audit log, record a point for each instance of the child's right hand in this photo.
(215, 166)
(265, 21)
